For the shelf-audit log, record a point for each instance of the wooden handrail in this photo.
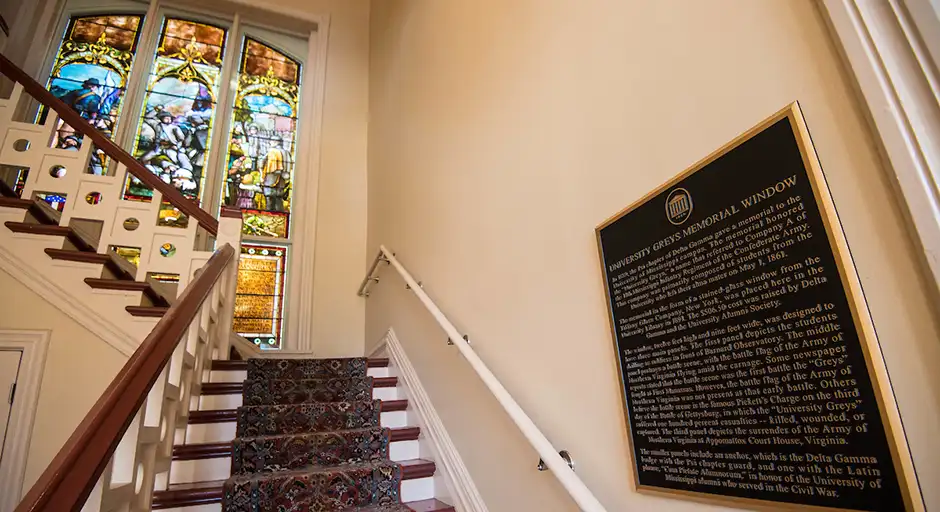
(75, 120)
(73, 473)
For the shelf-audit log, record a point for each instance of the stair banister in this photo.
(75, 120)
(76, 471)
(569, 480)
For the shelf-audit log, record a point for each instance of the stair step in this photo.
(221, 388)
(236, 388)
(90, 257)
(217, 416)
(15, 202)
(147, 311)
(229, 365)
(377, 362)
(51, 230)
(405, 434)
(394, 405)
(225, 415)
(199, 451)
(384, 382)
(126, 285)
(203, 493)
(431, 505)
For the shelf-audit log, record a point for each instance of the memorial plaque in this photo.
(748, 361)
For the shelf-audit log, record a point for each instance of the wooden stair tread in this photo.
(431, 505)
(90, 257)
(198, 451)
(147, 311)
(377, 362)
(202, 493)
(230, 365)
(40, 211)
(384, 382)
(214, 416)
(394, 405)
(51, 230)
(221, 388)
(127, 285)
(236, 388)
(15, 202)
(225, 415)
(212, 493)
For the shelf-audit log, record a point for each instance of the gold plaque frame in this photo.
(877, 372)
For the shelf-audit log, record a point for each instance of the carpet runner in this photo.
(309, 439)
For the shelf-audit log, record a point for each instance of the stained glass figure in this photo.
(259, 297)
(260, 164)
(90, 75)
(179, 108)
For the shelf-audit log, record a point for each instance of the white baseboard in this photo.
(462, 491)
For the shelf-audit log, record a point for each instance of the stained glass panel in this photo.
(259, 297)
(260, 164)
(131, 254)
(176, 121)
(90, 75)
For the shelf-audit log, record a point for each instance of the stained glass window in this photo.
(173, 134)
(259, 297)
(90, 75)
(260, 162)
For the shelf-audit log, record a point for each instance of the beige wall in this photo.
(79, 367)
(502, 132)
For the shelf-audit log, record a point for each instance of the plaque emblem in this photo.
(678, 206)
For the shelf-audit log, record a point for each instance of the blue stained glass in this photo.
(90, 73)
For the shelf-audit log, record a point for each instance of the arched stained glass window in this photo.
(259, 167)
(172, 138)
(90, 74)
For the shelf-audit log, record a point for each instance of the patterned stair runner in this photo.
(309, 439)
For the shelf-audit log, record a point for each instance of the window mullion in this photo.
(137, 82)
(214, 166)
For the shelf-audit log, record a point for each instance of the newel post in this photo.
(230, 232)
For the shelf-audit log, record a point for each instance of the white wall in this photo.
(79, 367)
(501, 133)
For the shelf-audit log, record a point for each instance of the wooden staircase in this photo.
(209, 461)
(78, 246)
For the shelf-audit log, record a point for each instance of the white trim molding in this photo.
(33, 344)
(888, 51)
(461, 489)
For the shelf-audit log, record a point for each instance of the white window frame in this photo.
(40, 38)
(893, 49)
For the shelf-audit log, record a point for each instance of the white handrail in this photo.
(569, 480)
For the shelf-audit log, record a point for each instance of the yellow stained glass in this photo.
(259, 298)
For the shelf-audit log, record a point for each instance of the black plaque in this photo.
(743, 341)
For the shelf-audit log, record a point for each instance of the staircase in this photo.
(332, 431)
(181, 427)
(81, 247)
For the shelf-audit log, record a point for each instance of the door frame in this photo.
(34, 344)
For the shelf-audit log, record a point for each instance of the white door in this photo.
(9, 367)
